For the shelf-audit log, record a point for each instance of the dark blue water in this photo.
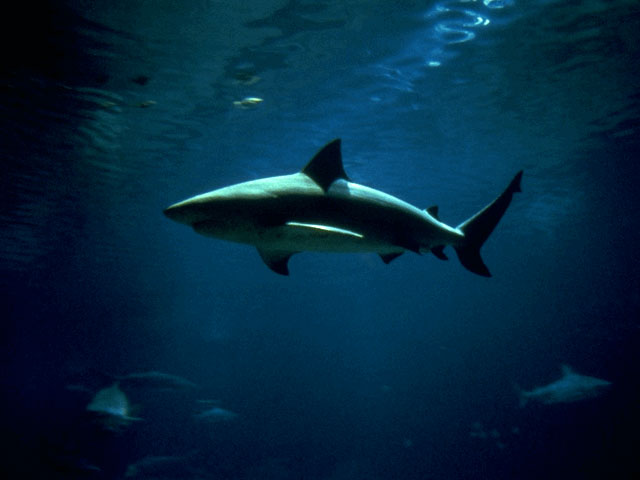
(348, 368)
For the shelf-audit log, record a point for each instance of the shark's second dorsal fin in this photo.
(433, 211)
(326, 165)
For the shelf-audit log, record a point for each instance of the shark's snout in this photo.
(184, 212)
(174, 212)
(193, 210)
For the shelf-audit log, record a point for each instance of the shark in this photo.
(571, 387)
(320, 209)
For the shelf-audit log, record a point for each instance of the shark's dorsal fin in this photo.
(433, 211)
(276, 260)
(326, 165)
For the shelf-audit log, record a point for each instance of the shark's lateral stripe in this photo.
(319, 209)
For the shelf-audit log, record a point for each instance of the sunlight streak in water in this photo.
(456, 24)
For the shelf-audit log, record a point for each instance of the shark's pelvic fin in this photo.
(326, 165)
(276, 260)
(388, 257)
(478, 228)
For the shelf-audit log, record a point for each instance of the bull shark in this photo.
(571, 387)
(320, 209)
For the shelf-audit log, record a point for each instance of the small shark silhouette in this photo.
(319, 209)
(112, 408)
(571, 387)
(155, 380)
(216, 415)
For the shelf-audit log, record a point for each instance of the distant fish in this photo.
(71, 466)
(112, 408)
(216, 415)
(571, 387)
(248, 102)
(156, 380)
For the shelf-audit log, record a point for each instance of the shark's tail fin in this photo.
(478, 228)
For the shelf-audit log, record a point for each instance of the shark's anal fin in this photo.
(326, 165)
(388, 257)
(276, 260)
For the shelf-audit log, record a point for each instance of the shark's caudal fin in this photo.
(478, 228)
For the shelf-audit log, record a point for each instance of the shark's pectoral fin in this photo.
(439, 252)
(326, 166)
(324, 229)
(276, 260)
(388, 257)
